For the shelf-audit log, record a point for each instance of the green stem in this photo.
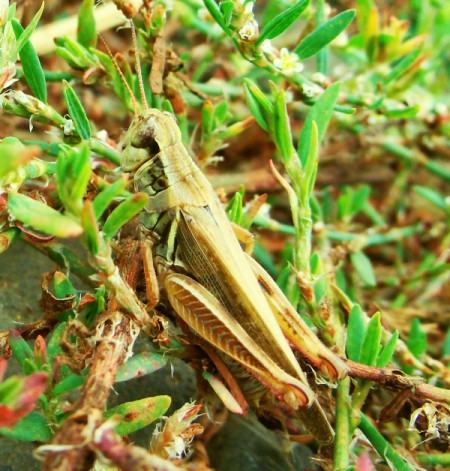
(105, 151)
(359, 397)
(383, 448)
(343, 435)
(442, 459)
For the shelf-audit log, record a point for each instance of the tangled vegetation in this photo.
(324, 131)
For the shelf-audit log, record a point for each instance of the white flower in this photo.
(249, 32)
(311, 91)
(441, 109)
(288, 62)
(267, 48)
(319, 78)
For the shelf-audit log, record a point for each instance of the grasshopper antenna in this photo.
(122, 76)
(138, 65)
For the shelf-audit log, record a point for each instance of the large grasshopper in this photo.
(218, 290)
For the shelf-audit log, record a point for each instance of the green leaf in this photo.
(215, 12)
(69, 383)
(433, 196)
(402, 66)
(76, 111)
(324, 34)
(141, 364)
(282, 128)
(356, 331)
(73, 171)
(86, 31)
(321, 113)
(106, 196)
(226, 7)
(359, 199)
(372, 339)
(363, 266)
(91, 233)
(207, 118)
(31, 65)
(234, 209)
(259, 105)
(32, 428)
(53, 345)
(29, 30)
(438, 169)
(123, 213)
(20, 348)
(388, 351)
(446, 346)
(312, 162)
(41, 217)
(417, 339)
(138, 414)
(13, 154)
(282, 22)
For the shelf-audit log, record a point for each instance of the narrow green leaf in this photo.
(323, 56)
(76, 111)
(363, 266)
(433, 196)
(62, 286)
(313, 160)
(53, 345)
(372, 339)
(73, 171)
(86, 31)
(282, 128)
(438, 169)
(31, 65)
(69, 383)
(359, 199)
(13, 154)
(10, 390)
(32, 428)
(382, 446)
(220, 114)
(446, 345)
(91, 233)
(356, 331)
(234, 209)
(20, 348)
(417, 339)
(388, 351)
(321, 113)
(259, 105)
(138, 414)
(282, 22)
(141, 364)
(105, 197)
(123, 213)
(324, 34)
(29, 30)
(402, 113)
(215, 12)
(207, 118)
(226, 7)
(402, 66)
(41, 217)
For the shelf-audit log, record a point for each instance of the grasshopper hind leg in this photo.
(295, 328)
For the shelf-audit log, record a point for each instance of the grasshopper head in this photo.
(150, 132)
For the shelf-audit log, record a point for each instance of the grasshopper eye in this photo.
(143, 135)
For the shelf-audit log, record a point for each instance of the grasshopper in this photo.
(218, 290)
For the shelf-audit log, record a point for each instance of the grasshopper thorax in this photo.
(149, 133)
